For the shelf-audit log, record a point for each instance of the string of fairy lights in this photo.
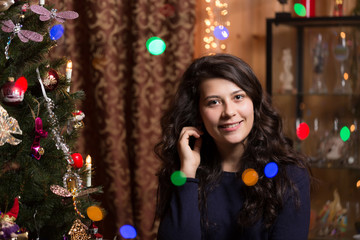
(215, 33)
(216, 24)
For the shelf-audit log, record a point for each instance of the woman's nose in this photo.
(229, 110)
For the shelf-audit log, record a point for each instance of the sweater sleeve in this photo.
(293, 222)
(182, 219)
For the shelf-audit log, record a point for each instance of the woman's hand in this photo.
(189, 158)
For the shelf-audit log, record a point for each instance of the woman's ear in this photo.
(199, 124)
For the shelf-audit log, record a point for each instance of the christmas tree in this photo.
(44, 183)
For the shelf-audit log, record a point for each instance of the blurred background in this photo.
(127, 88)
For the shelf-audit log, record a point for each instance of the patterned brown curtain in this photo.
(127, 90)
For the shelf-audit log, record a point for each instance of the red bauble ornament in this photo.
(78, 160)
(12, 93)
(51, 81)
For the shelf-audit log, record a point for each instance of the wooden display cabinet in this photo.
(313, 77)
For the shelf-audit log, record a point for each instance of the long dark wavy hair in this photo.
(265, 143)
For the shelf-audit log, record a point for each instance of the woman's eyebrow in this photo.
(212, 96)
(238, 91)
(217, 96)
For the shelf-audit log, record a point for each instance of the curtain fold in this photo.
(127, 89)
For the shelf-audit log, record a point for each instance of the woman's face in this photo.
(226, 111)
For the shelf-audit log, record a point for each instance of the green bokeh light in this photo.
(345, 133)
(155, 45)
(300, 9)
(178, 178)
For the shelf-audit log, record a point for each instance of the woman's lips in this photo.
(230, 127)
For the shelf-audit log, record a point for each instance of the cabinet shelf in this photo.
(315, 94)
(317, 21)
(314, 165)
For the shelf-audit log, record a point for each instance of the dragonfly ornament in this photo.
(63, 192)
(46, 15)
(24, 35)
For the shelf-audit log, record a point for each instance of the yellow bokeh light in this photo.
(346, 76)
(95, 213)
(216, 12)
(250, 177)
(358, 184)
(342, 35)
(352, 128)
(302, 106)
(224, 12)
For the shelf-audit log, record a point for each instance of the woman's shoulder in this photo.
(298, 174)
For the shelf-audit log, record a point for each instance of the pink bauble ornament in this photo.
(78, 160)
(51, 81)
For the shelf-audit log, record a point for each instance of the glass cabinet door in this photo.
(313, 77)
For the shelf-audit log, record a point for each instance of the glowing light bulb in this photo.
(221, 32)
(300, 9)
(56, 32)
(271, 169)
(224, 12)
(178, 178)
(250, 177)
(302, 131)
(128, 232)
(345, 133)
(352, 128)
(155, 45)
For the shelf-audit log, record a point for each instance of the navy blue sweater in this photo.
(182, 220)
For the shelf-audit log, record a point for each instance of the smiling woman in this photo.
(227, 114)
(222, 132)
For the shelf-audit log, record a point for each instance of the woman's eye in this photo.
(212, 102)
(239, 97)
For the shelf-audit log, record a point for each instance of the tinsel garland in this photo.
(56, 136)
